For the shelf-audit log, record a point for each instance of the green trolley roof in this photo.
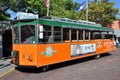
(68, 23)
(65, 23)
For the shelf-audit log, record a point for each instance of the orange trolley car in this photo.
(49, 40)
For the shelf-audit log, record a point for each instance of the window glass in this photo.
(51, 34)
(66, 34)
(15, 33)
(104, 35)
(48, 34)
(86, 35)
(96, 35)
(28, 34)
(108, 35)
(80, 35)
(57, 34)
(74, 34)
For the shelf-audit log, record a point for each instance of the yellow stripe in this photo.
(5, 73)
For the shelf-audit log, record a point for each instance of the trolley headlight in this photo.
(14, 53)
(29, 57)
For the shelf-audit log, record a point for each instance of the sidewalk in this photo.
(6, 66)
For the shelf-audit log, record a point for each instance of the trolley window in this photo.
(47, 34)
(80, 35)
(66, 34)
(74, 34)
(15, 33)
(57, 34)
(87, 35)
(96, 35)
(28, 34)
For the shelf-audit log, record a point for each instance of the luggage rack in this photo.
(71, 21)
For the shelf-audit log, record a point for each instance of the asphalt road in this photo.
(105, 68)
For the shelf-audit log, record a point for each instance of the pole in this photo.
(47, 11)
(86, 10)
(47, 4)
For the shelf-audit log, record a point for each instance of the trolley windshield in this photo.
(28, 34)
(24, 34)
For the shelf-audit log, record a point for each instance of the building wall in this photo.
(4, 25)
(116, 25)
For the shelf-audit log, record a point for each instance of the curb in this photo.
(5, 73)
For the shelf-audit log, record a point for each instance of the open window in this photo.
(80, 35)
(87, 35)
(108, 35)
(57, 34)
(74, 34)
(66, 34)
(96, 35)
(47, 35)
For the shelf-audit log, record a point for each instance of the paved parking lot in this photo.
(105, 68)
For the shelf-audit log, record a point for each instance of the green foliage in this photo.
(3, 16)
(37, 6)
(62, 8)
(4, 5)
(101, 12)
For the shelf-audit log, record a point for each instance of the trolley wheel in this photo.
(45, 68)
(97, 56)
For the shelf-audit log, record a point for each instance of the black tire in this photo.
(97, 56)
(45, 68)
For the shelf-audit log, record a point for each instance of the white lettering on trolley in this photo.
(108, 43)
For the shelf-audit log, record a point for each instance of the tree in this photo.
(58, 8)
(3, 16)
(37, 6)
(101, 11)
(4, 6)
(62, 8)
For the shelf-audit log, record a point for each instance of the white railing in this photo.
(73, 21)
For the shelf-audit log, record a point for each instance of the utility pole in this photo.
(47, 4)
(47, 11)
(86, 10)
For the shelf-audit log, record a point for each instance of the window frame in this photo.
(35, 34)
(18, 35)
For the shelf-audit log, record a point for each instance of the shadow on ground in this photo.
(61, 65)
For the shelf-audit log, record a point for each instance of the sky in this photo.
(12, 14)
(117, 4)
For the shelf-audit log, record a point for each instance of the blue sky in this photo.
(117, 4)
(12, 14)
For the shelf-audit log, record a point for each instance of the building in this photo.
(116, 26)
(4, 27)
